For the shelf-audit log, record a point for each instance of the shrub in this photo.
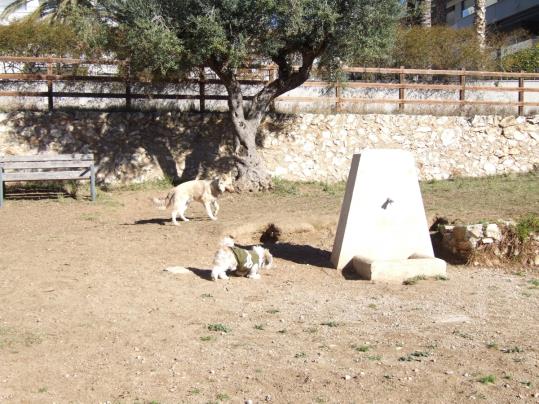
(440, 47)
(31, 37)
(525, 60)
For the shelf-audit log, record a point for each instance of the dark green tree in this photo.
(224, 35)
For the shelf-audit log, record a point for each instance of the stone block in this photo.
(398, 270)
(382, 215)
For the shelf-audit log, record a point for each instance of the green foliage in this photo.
(173, 35)
(489, 379)
(440, 47)
(525, 60)
(31, 37)
(284, 187)
(527, 225)
(218, 327)
(414, 280)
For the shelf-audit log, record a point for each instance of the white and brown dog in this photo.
(239, 261)
(204, 191)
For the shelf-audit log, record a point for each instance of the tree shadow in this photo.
(184, 146)
(301, 254)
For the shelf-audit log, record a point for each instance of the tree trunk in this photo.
(480, 23)
(252, 172)
(426, 12)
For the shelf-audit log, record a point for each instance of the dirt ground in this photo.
(87, 313)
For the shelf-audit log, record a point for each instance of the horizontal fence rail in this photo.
(399, 80)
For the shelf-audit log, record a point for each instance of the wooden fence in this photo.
(54, 70)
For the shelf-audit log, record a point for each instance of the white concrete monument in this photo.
(382, 230)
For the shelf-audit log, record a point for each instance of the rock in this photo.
(508, 121)
(493, 231)
(347, 377)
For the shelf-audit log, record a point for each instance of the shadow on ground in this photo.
(301, 254)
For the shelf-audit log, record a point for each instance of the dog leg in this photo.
(207, 205)
(253, 273)
(182, 208)
(215, 207)
(218, 273)
(174, 217)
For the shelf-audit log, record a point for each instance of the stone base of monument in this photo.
(398, 270)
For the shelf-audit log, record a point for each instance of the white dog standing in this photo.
(204, 191)
(240, 261)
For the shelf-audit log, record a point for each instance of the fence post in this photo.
(272, 76)
(202, 89)
(462, 91)
(401, 89)
(520, 95)
(127, 85)
(49, 85)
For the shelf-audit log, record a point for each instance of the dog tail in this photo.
(159, 203)
(227, 242)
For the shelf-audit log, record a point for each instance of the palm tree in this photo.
(426, 13)
(56, 9)
(480, 22)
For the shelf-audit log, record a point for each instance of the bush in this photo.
(31, 37)
(526, 60)
(440, 47)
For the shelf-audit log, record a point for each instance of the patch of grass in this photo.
(42, 390)
(515, 349)
(414, 356)
(488, 379)
(440, 278)
(414, 280)
(206, 338)
(283, 331)
(334, 189)
(361, 348)
(311, 330)
(330, 324)
(492, 345)
(259, 327)
(534, 283)
(222, 397)
(272, 311)
(526, 225)
(159, 184)
(372, 306)
(300, 355)
(206, 295)
(526, 383)
(374, 357)
(218, 327)
(510, 196)
(283, 187)
(194, 391)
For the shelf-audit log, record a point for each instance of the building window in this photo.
(467, 7)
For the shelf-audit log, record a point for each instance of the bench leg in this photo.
(1, 187)
(92, 182)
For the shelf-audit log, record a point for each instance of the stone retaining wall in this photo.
(487, 241)
(135, 147)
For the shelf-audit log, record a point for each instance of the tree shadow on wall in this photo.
(125, 143)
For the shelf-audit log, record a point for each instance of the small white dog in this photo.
(239, 261)
(204, 191)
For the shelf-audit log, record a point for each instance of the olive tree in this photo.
(228, 34)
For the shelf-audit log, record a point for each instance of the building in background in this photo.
(24, 10)
(503, 15)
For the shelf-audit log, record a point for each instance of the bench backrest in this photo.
(46, 167)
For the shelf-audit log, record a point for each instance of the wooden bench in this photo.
(47, 167)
